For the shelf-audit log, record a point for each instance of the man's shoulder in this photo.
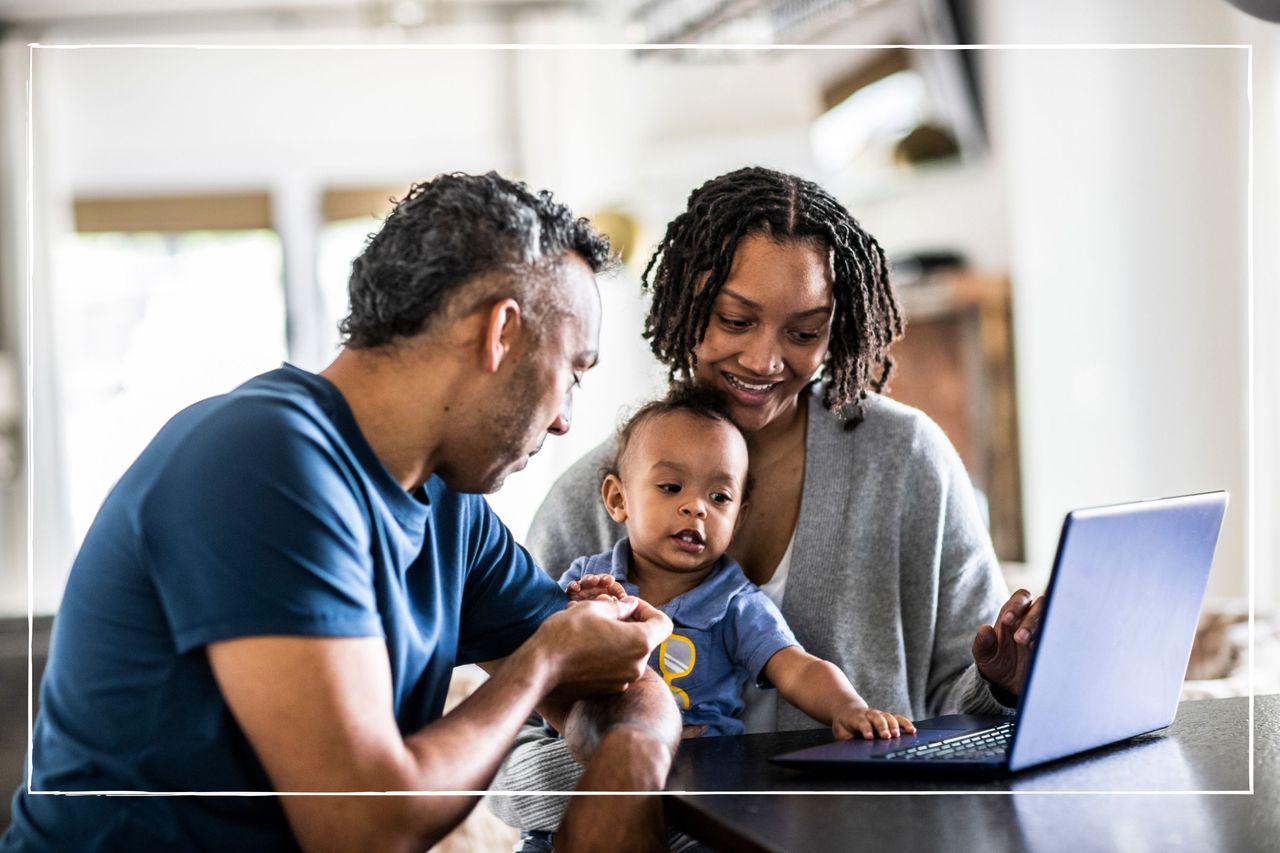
(271, 407)
(239, 447)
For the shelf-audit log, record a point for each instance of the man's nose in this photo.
(561, 424)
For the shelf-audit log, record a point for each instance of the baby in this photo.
(679, 483)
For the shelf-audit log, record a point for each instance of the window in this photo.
(147, 323)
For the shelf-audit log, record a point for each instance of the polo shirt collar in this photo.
(699, 608)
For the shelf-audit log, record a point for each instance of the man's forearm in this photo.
(464, 748)
(627, 742)
(460, 751)
(646, 707)
(318, 713)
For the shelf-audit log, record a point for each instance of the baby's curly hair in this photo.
(702, 240)
(698, 400)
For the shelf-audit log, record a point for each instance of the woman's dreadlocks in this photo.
(702, 240)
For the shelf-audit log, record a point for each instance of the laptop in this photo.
(1120, 614)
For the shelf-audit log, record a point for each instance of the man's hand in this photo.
(589, 587)
(857, 720)
(1003, 651)
(599, 646)
(623, 726)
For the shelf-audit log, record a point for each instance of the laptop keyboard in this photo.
(988, 743)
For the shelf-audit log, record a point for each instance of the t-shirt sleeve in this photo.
(255, 528)
(756, 632)
(506, 595)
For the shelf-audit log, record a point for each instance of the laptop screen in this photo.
(1120, 615)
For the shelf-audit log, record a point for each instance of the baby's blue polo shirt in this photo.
(726, 630)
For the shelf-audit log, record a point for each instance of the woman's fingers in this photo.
(1030, 623)
(1013, 611)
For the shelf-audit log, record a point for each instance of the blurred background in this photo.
(1069, 226)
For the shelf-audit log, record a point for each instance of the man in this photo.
(275, 594)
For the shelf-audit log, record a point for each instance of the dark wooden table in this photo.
(1058, 807)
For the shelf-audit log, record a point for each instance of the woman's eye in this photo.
(669, 488)
(804, 337)
(734, 323)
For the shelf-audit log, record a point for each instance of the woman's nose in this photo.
(761, 356)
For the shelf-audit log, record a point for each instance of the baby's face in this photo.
(682, 481)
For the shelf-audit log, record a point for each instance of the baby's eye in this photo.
(721, 498)
(669, 488)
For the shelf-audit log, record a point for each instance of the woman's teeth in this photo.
(747, 386)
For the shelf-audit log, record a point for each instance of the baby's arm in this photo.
(594, 586)
(821, 690)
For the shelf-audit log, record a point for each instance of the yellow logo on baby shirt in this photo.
(676, 656)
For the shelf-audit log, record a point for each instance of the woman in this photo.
(863, 526)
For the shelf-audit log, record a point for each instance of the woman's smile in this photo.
(746, 391)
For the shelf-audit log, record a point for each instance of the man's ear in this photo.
(614, 501)
(503, 326)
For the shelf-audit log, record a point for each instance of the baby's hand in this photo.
(589, 587)
(860, 721)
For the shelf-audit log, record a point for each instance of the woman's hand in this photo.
(1003, 651)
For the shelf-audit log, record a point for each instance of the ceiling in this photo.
(54, 11)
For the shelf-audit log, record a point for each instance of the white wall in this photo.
(1113, 180)
(1149, 218)
(1130, 262)
(1115, 195)
(600, 128)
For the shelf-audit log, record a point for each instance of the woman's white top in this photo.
(760, 711)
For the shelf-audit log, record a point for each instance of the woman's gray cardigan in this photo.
(892, 572)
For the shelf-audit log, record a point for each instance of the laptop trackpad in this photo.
(927, 731)
(844, 750)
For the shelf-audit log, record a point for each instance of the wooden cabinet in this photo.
(955, 362)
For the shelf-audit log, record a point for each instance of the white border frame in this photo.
(30, 277)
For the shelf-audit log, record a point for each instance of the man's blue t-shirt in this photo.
(726, 630)
(260, 512)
